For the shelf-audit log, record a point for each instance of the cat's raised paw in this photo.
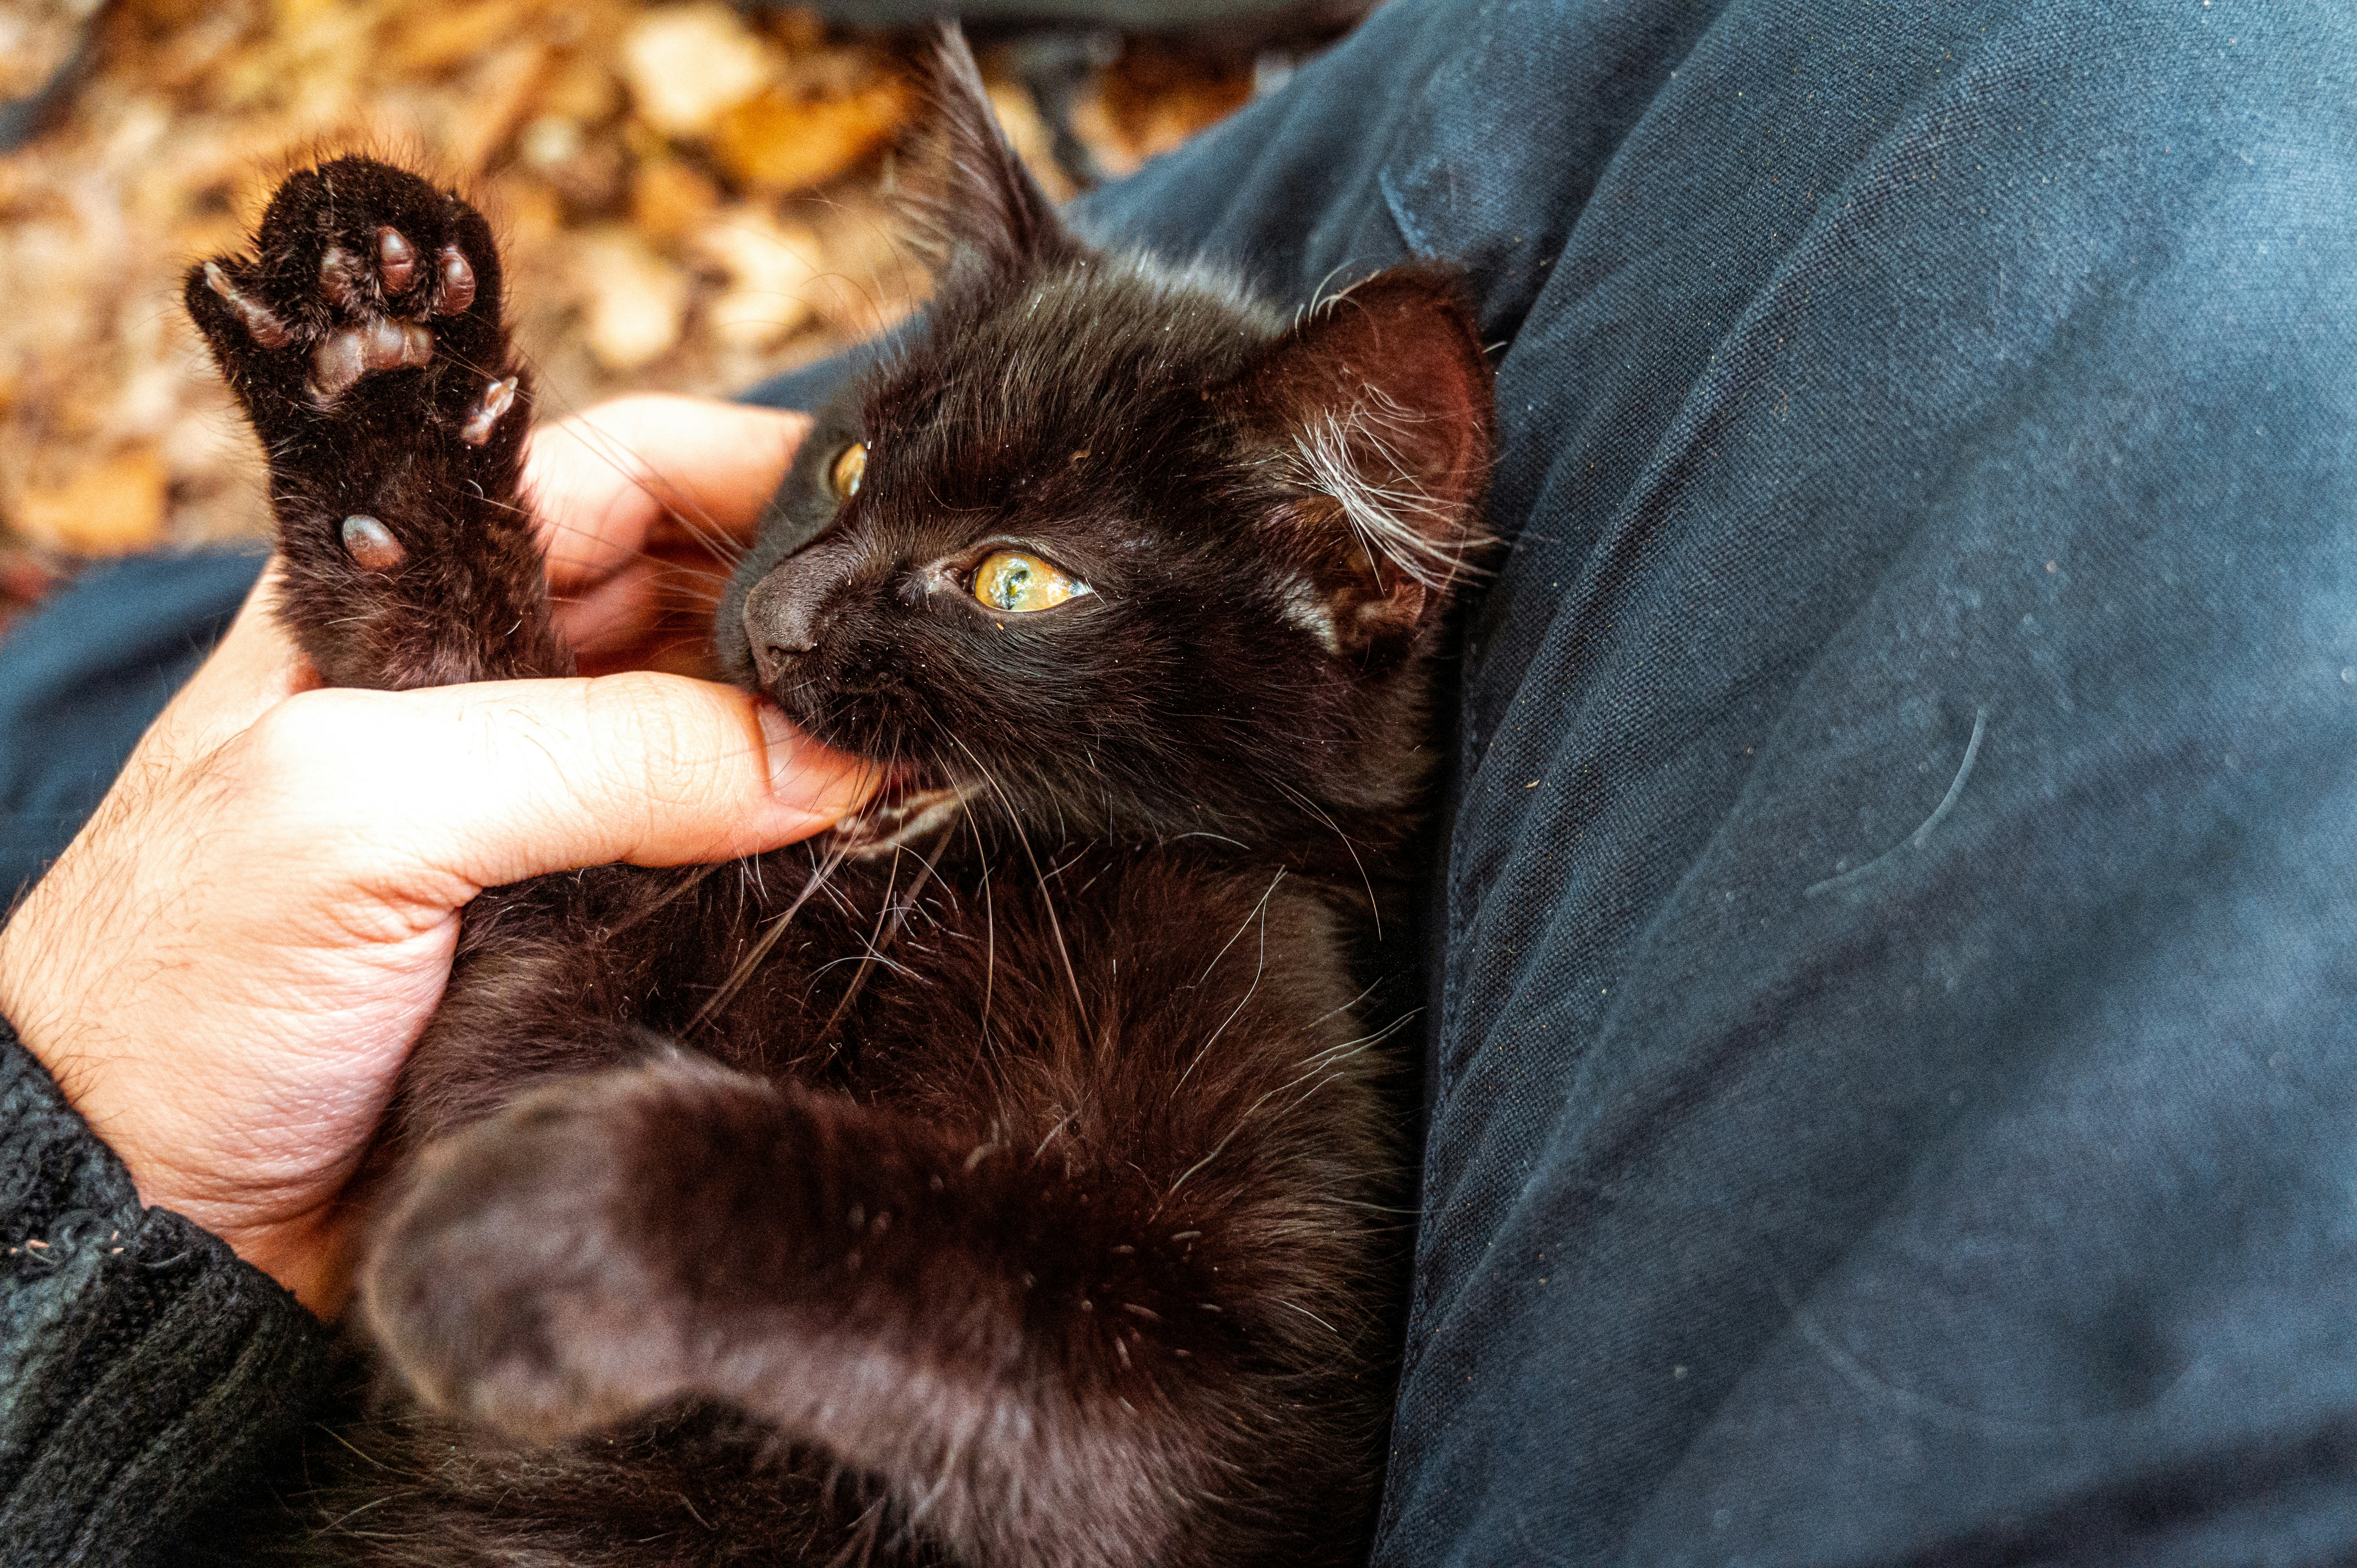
(361, 270)
(363, 333)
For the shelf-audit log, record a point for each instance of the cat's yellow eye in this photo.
(1010, 580)
(850, 466)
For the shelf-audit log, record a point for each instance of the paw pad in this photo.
(361, 288)
(363, 269)
(362, 330)
(396, 262)
(457, 280)
(347, 354)
(371, 546)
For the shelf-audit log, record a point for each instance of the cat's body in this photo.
(1013, 1179)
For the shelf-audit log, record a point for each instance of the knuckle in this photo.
(287, 735)
(310, 736)
(322, 778)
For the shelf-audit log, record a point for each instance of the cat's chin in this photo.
(908, 809)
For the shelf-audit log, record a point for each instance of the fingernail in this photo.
(809, 776)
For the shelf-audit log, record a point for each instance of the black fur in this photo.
(1010, 1178)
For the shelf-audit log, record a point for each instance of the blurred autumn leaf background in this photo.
(689, 194)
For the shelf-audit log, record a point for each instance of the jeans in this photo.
(1893, 1030)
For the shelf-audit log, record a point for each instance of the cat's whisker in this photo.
(1372, 987)
(866, 960)
(1349, 1048)
(769, 939)
(706, 532)
(990, 945)
(689, 586)
(874, 955)
(1047, 895)
(678, 502)
(873, 293)
(765, 1109)
(1374, 905)
(1244, 1119)
(1259, 913)
(1061, 1122)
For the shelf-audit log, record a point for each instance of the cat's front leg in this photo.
(365, 340)
(1041, 1367)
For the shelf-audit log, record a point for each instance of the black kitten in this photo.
(1011, 1181)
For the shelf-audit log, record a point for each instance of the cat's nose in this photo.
(786, 609)
(771, 662)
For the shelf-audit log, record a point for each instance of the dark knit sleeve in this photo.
(144, 1368)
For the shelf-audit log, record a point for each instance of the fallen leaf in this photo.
(770, 267)
(669, 198)
(779, 143)
(112, 508)
(688, 65)
(435, 38)
(635, 302)
(501, 91)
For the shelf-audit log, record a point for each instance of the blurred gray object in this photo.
(1056, 46)
(1230, 24)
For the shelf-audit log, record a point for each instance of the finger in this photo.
(610, 614)
(495, 782)
(657, 595)
(608, 483)
(254, 668)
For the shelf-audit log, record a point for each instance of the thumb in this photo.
(497, 782)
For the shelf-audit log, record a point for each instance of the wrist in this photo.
(308, 1253)
(312, 1255)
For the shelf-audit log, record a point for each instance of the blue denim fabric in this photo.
(1895, 1037)
(80, 682)
(1893, 1080)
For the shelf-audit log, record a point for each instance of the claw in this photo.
(260, 325)
(485, 416)
(458, 283)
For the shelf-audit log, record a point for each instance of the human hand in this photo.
(644, 504)
(227, 968)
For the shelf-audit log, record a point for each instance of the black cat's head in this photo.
(1117, 547)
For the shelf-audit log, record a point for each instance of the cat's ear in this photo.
(974, 201)
(1380, 400)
